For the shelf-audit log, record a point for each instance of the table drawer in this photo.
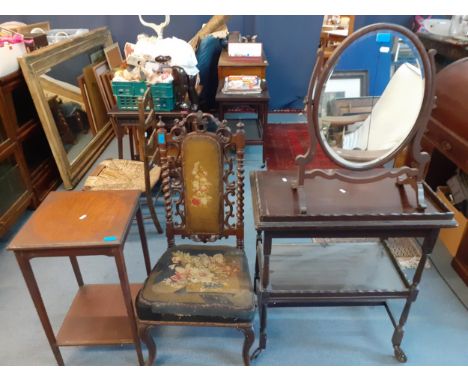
(452, 146)
(224, 71)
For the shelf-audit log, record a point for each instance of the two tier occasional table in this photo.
(85, 223)
(332, 271)
(257, 102)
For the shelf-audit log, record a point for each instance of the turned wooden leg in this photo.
(144, 242)
(248, 341)
(154, 217)
(144, 332)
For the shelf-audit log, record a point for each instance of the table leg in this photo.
(26, 270)
(127, 296)
(257, 265)
(264, 120)
(264, 126)
(76, 270)
(263, 304)
(119, 136)
(144, 242)
(266, 260)
(262, 312)
(221, 111)
(131, 143)
(427, 247)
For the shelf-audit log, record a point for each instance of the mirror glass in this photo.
(72, 94)
(371, 98)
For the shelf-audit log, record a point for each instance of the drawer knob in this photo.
(446, 146)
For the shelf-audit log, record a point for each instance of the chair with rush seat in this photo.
(143, 175)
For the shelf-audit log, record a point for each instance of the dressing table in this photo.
(350, 212)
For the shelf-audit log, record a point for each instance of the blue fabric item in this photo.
(208, 54)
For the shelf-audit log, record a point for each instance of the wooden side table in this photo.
(128, 119)
(81, 223)
(258, 102)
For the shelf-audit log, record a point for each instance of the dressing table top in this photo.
(336, 203)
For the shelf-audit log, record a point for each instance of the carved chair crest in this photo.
(202, 179)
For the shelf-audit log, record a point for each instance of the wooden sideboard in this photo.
(448, 49)
(27, 168)
(446, 139)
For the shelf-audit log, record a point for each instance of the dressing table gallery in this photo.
(210, 190)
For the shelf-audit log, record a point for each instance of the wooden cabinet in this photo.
(446, 139)
(27, 169)
(229, 66)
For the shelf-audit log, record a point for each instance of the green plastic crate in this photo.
(163, 103)
(162, 90)
(127, 94)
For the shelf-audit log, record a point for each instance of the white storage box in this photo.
(8, 57)
(245, 49)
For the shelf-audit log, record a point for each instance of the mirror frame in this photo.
(367, 173)
(327, 70)
(35, 64)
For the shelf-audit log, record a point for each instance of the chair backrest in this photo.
(203, 179)
(148, 150)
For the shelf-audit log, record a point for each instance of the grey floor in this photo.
(436, 332)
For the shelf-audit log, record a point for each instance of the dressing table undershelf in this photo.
(342, 269)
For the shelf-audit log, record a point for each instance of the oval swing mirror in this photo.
(370, 96)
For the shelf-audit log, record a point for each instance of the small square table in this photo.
(258, 102)
(85, 223)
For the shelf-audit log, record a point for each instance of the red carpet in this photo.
(283, 142)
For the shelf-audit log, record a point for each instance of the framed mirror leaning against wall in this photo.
(61, 79)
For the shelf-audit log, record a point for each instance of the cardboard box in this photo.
(245, 49)
(452, 237)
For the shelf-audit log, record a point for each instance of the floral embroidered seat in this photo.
(203, 186)
(199, 283)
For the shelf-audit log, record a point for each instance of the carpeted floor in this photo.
(284, 141)
(436, 332)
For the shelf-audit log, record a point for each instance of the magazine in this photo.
(242, 85)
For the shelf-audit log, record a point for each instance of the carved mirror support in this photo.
(371, 100)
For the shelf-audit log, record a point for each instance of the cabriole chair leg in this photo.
(144, 332)
(249, 337)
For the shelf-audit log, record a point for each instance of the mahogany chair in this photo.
(200, 285)
(144, 174)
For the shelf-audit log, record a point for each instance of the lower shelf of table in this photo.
(335, 270)
(252, 127)
(97, 316)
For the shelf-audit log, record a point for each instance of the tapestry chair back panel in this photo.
(203, 179)
(202, 176)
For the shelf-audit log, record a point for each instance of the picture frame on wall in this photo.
(96, 56)
(345, 84)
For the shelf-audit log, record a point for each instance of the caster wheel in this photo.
(400, 355)
(256, 353)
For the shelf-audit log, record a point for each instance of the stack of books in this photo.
(242, 85)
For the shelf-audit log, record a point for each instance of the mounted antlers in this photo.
(158, 28)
